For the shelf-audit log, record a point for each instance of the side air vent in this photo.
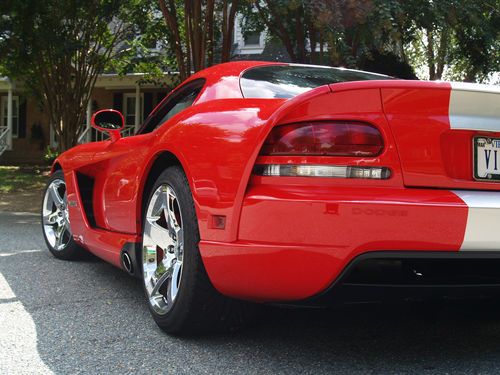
(86, 189)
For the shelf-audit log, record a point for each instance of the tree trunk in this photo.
(312, 41)
(228, 18)
(208, 34)
(442, 52)
(300, 34)
(321, 47)
(195, 33)
(431, 55)
(279, 30)
(170, 16)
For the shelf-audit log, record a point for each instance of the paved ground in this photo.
(88, 317)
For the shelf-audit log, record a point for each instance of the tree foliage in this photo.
(457, 37)
(56, 49)
(334, 32)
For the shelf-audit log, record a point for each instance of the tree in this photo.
(292, 22)
(475, 53)
(58, 48)
(335, 32)
(194, 31)
(453, 38)
(459, 38)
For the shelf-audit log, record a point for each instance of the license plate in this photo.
(487, 159)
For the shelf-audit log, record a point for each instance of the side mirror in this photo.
(109, 121)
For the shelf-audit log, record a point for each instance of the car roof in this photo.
(223, 80)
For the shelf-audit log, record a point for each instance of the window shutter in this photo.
(148, 103)
(22, 118)
(118, 101)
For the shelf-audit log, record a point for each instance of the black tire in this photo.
(198, 307)
(71, 250)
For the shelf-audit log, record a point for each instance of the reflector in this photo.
(335, 171)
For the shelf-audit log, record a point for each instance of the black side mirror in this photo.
(110, 121)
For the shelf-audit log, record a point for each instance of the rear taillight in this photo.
(324, 139)
(332, 171)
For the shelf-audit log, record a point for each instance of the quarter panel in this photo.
(215, 142)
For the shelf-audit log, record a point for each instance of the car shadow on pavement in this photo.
(90, 317)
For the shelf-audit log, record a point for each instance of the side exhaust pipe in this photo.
(127, 262)
(131, 259)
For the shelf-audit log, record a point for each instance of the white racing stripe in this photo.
(474, 107)
(483, 222)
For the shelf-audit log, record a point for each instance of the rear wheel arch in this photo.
(56, 167)
(161, 162)
(180, 296)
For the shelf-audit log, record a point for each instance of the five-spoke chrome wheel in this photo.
(55, 215)
(162, 249)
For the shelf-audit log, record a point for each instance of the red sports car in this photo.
(281, 183)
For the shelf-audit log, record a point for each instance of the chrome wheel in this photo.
(55, 215)
(162, 249)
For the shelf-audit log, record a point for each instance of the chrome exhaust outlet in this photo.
(127, 262)
(130, 259)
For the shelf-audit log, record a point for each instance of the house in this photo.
(24, 127)
(25, 132)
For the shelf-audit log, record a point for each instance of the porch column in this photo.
(137, 107)
(88, 135)
(9, 117)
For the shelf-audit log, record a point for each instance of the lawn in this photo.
(21, 187)
(21, 179)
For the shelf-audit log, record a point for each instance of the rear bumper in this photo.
(295, 244)
(315, 276)
(379, 276)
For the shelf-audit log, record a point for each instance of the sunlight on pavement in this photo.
(20, 252)
(18, 341)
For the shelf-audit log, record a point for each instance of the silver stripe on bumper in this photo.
(483, 222)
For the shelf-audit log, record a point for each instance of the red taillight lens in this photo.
(324, 138)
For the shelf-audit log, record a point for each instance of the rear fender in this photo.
(215, 142)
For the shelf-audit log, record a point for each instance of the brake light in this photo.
(324, 139)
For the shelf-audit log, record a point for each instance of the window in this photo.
(15, 114)
(129, 109)
(252, 39)
(178, 101)
(287, 81)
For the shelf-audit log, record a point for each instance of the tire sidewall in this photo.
(176, 179)
(71, 250)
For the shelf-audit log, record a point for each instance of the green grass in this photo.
(22, 178)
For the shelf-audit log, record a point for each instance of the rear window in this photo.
(287, 81)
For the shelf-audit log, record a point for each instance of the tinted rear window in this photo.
(287, 81)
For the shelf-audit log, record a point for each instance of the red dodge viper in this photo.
(291, 184)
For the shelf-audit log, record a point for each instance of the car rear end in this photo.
(377, 186)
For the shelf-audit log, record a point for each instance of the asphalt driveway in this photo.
(88, 317)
